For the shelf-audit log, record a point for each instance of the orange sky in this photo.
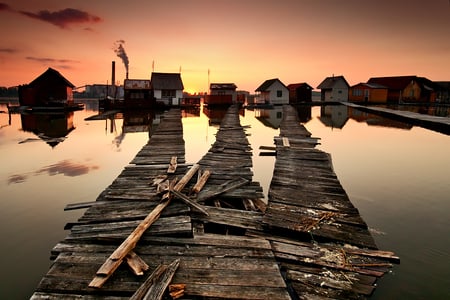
(239, 41)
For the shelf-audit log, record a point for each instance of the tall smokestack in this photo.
(113, 78)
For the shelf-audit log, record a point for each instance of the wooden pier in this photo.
(168, 230)
(436, 123)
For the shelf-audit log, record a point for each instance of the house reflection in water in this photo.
(375, 120)
(215, 114)
(271, 117)
(336, 116)
(52, 128)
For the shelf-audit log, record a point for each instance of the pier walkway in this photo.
(436, 123)
(213, 236)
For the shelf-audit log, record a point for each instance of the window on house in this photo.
(357, 92)
(279, 93)
(168, 93)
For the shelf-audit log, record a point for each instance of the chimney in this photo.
(126, 76)
(113, 79)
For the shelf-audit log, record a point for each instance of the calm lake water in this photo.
(397, 176)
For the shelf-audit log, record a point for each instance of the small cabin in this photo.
(407, 88)
(367, 92)
(300, 92)
(334, 88)
(167, 88)
(272, 91)
(49, 88)
(138, 93)
(221, 94)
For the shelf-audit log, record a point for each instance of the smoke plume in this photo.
(120, 52)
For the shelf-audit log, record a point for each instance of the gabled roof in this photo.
(393, 82)
(166, 81)
(222, 86)
(370, 85)
(294, 86)
(53, 76)
(266, 84)
(329, 82)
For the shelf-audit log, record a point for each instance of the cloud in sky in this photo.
(62, 18)
(5, 7)
(8, 50)
(61, 63)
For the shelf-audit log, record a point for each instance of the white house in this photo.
(167, 88)
(334, 88)
(272, 91)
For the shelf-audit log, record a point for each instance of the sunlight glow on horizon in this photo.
(243, 42)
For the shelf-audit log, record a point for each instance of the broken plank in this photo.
(201, 181)
(116, 258)
(225, 187)
(173, 165)
(189, 202)
(157, 282)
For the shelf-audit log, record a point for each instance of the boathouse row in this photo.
(165, 229)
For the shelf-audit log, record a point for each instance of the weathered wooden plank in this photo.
(155, 285)
(108, 268)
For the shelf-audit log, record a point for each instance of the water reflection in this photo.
(52, 128)
(334, 116)
(337, 116)
(65, 167)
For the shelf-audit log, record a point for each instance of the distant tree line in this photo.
(9, 91)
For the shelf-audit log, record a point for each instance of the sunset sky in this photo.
(240, 41)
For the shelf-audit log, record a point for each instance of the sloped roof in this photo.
(370, 85)
(53, 76)
(222, 86)
(329, 82)
(266, 84)
(166, 81)
(294, 86)
(393, 82)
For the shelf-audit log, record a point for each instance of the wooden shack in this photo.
(368, 92)
(221, 94)
(48, 89)
(138, 93)
(411, 89)
(299, 92)
(167, 88)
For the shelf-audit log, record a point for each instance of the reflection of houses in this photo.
(49, 88)
(334, 116)
(272, 91)
(270, 117)
(375, 120)
(221, 94)
(406, 88)
(334, 88)
(138, 93)
(167, 88)
(299, 92)
(304, 113)
(51, 128)
(138, 121)
(368, 92)
(215, 114)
